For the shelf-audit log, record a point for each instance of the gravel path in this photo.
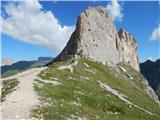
(70, 67)
(20, 102)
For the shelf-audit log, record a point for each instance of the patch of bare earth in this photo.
(19, 103)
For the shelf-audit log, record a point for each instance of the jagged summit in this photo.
(122, 33)
(95, 37)
(128, 48)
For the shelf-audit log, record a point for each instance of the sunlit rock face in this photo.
(95, 37)
(128, 49)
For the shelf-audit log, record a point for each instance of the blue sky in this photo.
(139, 18)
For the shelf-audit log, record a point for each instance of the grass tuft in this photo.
(7, 87)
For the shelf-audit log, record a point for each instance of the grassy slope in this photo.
(80, 95)
(7, 87)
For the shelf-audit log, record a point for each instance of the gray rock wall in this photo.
(95, 37)
(128, 49)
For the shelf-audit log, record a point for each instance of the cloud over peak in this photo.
(115, 10)
(155, 34)
(27, 22)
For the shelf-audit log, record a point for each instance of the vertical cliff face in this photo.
(95, 37)
(128, 48)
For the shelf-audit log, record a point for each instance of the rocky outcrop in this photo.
(150, 91)
(128, 49)
(95, 37)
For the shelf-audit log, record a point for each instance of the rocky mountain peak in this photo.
(128, 36)
(128, 48)
(95, 37)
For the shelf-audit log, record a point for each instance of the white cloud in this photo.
(155, 34)
(115, 10)
(27, 22)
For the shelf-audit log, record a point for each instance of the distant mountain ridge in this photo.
(151, 70)
(19, 66)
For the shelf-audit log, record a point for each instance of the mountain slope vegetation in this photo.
(85, 89)
(7, 87)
